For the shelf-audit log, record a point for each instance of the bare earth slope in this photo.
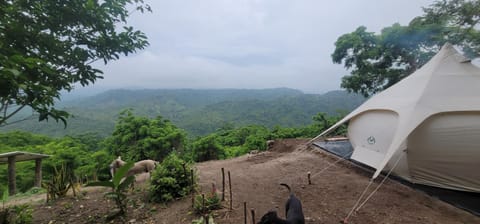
(332, 194)
(255, 180)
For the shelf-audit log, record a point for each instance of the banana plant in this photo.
(119, 185)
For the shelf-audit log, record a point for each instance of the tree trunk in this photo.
(38, 173)
(12, 185)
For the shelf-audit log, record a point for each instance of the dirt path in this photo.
(255, 180)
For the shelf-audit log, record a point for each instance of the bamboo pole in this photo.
(203, 203)
(230, 187)
(253, 215)
(223, 184)
(245, 212)
(309, 180)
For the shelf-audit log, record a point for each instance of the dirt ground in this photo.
(335, 189)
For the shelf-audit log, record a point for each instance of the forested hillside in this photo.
(198, 112)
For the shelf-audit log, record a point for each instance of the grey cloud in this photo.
(249, 43)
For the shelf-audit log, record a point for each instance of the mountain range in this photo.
(199, 112)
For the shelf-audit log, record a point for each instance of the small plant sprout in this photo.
(119, 185)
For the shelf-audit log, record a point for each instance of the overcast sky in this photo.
(248, 43)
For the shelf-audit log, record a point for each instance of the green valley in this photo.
(198, 112)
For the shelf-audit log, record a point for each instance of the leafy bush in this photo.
(171, 179)
(235, 151)
(60, 182)
(255, 142)
(238, 136)
(17, 214)
(205, 206)
(284, 132)
(207, 148)
(137, 137)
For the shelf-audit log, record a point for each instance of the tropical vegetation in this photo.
(376, 61)
(46, 51)
(49, 47)
(197, 112)
(86, 157)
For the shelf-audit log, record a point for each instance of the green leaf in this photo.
(100, 184)
(121, 172)
(112, 194)
(15, 72)
(53, 45)
(126, 183)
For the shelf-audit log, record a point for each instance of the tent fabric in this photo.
(426, 126)
(431, 155)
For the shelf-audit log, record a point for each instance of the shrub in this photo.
(205, 206)
(17, 214)
(235, 151)
(254, 142)
(171, 179)
(59, 184)
(207, 148)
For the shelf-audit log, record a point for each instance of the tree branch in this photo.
(4, 108)
(17, 121)
(6, 117)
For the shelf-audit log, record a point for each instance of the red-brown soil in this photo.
(255, 180)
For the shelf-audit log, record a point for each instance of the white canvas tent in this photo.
(426, 127)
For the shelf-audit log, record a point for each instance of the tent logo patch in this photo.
(371, 140)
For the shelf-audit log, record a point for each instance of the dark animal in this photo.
(293, 211)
